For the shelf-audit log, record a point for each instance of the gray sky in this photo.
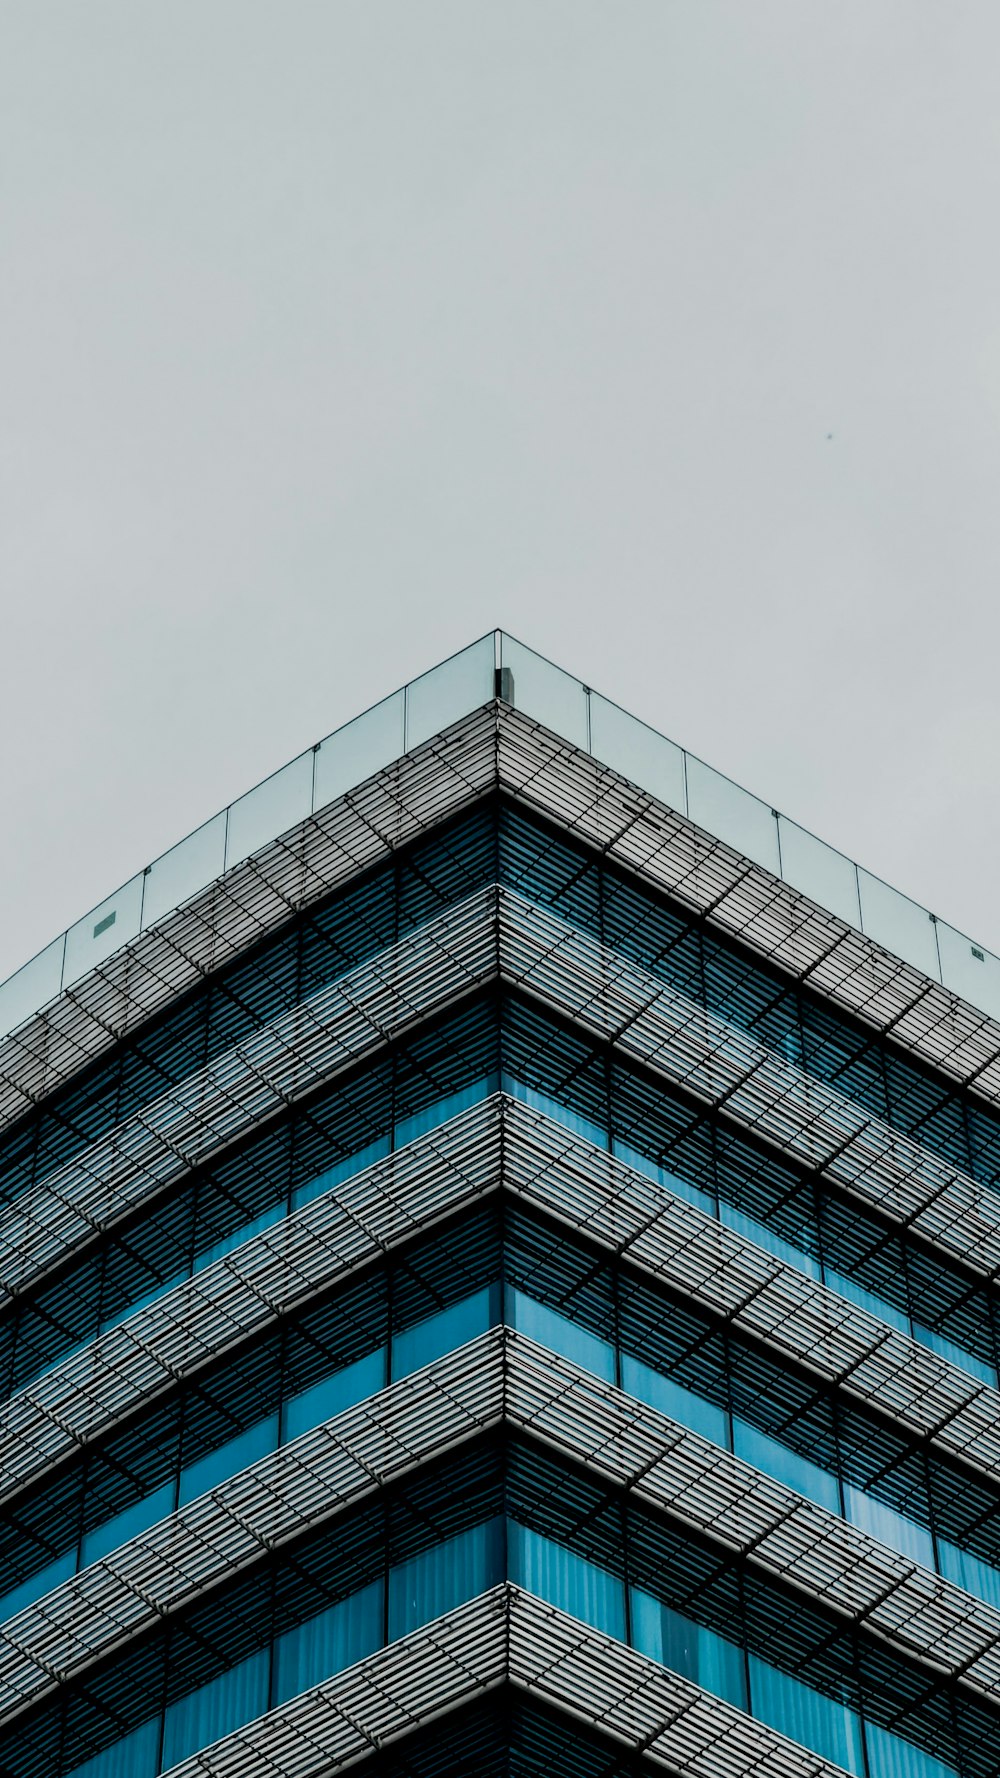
(333, 332)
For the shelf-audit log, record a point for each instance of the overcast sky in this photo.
(334, 332)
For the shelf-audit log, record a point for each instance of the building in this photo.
(500, 1235)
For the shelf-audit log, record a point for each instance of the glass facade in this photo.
(501, 1506)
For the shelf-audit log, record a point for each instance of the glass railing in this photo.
(420, 709)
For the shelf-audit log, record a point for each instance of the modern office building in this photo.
(500, 1235)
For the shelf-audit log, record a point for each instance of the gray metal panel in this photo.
(498, 746)
(499, 1375)
(254, 898)
(575, 1182)
(604, 992)
(507, 1634)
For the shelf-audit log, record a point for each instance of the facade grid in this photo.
(498, 1281)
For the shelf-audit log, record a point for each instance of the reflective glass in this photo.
(889, 1526)
(889, 1756)
(566, 1580)
(134, 1756)
(103, 930)
(976, 978)
(449, 691)
(638, 752)
(560, 1334)
(688, 1648)
(444, 1332)
(137, 1517)
(866, 1299)
(896, 922)
(554, 1108)
(444, 1576)
(742, 820)
(785, 1465)
(966, 1361)
(544, 691)
(765, 1237)
(663, 1176)
(31, 1589)
(216, 1709)
(228, 1459)
(676, 1402)
(332, 1395)
(32, 987)
(359, 749)
(807, 1716)
(185, 869)
(966, 1570)
(821, 873)
(345, 1169)
(431, 1116)
(328, 1643)
(236, 1237)
(279, 803)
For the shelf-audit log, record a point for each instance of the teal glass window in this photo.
(134, 1756)
(688, 1648)
(328, 1643)
(333, 1176)
(38, 1583)
(444, 1576)
(437, 1334)
(889, 1756)
(829, 1728)
(215, 1709)
(889, 1526)
(674, 1400)
(564, 1579)
(129, 1523)
(560, 1334)
(786, 1465)
(331, 1395)
(228, 1459)
(968, 1571)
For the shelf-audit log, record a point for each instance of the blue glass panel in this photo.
(966, 1361)
(820, 1723)
(440, 1333)
(762, 1236)
(445, 1576)
(566, 1580)
(688, 1648)
(215, 1709)
(345, 1169)
(328, 1643)
(133, 1306)
(229, 1459)
(331, 1395)
(889, 1756)
(670, 1398)
(560, 1334)
(663, 1176)
(134, 1519)
(969, 1572)
(866, 1299)
(787, 1466)
(134, 1756)
(889, 1526)
(31, 1589)
(429, 1118)
(236, 1237)
(553, 1108)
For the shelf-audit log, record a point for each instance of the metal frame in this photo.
(499, 747)
(498, 1144)
(500, 1377)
